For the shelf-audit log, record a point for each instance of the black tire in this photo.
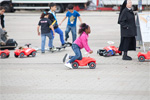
(92, 65)
(8, 56)
(59, 8)
(141, 58)
(21, 55)
(7, 7)
(15, 55)
(33, 54)
(75, 65)
(3, 55)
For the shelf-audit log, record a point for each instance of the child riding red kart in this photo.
(91, 62)
(21, 52)
(4, 54)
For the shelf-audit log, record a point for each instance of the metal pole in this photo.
(140, 5)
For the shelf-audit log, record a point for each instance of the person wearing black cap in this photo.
(128, 29)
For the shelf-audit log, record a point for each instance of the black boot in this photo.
(126, 57)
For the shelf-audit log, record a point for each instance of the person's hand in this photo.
(91, 52)
(53, 33)
(4, 29)
(60, 24)
(39, 33)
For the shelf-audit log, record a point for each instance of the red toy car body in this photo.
(25, 51)
(114, 49)
(142, 56)
(91, 62)
(4, 54)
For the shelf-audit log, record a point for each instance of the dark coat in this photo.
(2, 21)
(52, 18)
(127, 22)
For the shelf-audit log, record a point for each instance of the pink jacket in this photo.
(82, 42)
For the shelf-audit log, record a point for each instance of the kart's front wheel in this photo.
(141, 58)
(21, 55)
(3, 55)
(33, 54)
(92, 65)
(75, 65)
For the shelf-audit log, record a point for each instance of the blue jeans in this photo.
(60, 32)
(78, 54)
(73, 31)
(43, 37)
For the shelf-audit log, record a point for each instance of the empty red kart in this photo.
(142, 56)
(91, 62)
(109, 51)
(21, 52)
(4, 54)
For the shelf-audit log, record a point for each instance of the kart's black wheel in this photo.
(75, 65)
(141, 58)
(3, 55)
(21, 55)
(92, 65)
(8, 56)
(33, 54)
(120, 53)
(16, 55)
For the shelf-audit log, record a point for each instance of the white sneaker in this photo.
(66, 57)
(68, 65)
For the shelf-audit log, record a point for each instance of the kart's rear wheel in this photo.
(3, 55)
(75, 65)
(16, 55)
(92, 65)
(141, 58)
(21, 55)
(33, 54)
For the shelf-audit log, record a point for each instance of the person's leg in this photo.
(43, 37)
(60, 32)
(67, 32)
(74, 35)
(51, 40)
(77, 52)
(50, 45)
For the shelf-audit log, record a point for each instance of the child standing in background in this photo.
(81, 42)
(52, 17)
(72, 20)
(45, 24)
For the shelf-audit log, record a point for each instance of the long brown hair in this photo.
(44, 14)
(83, 27)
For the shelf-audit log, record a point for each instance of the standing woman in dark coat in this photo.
(128, 29)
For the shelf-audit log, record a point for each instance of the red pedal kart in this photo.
(109, 51)
(91, 62)
(4, 54)
(21, 52)
(142, 56)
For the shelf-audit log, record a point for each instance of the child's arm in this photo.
(38, 27)
(51, 26)
(80, 19)
(62, 20)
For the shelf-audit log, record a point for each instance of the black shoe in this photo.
(127, 58)
(43, 52)
(66, 39)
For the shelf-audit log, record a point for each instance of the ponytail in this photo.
(44, 14)
(83, 27)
